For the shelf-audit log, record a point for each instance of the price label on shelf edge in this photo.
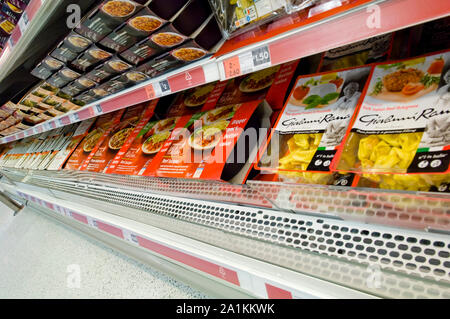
(151, 94)
(23, 23)
(74, 117)
(164, 86)
(247, 62)
(97, 109)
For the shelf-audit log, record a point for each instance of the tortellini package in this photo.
(403, 123)
(312, 125)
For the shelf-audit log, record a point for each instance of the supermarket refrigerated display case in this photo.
(264, 239)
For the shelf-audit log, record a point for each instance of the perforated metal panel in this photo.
(405, 209)
(413, 263)
(206, 190)
(370, 279)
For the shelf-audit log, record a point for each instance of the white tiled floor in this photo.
(38, 255)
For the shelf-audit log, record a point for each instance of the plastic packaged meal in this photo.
(159, 42)
(46, 68)
(312, 125)
(137, 28)
(63, 77)
(108, 69)
(104, 19)
(69, 49)
(91, 57)
(403, 123)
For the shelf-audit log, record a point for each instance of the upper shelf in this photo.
(32, 22)
(288, 40)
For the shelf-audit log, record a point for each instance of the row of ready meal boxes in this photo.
(384, 124)
(124, 42)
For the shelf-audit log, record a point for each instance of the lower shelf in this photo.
(261, 251)
(214, 270)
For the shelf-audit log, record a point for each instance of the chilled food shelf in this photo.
(322, 31)
(334, 28)
(219, 271)
(32, 22)
(408, 263)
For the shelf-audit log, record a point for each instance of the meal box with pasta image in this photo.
(187, 25)
(47, 68)
(78, 86)
(203, 45)
(71, 47)
(143, 145)
(212, 145)
(90, 58)
(402, 125)
(270, 84)
(94, 137)
(71, 144)
(105, 18)
(150, 134)
(108, 69)
(133, 155)
(312, 125)
(63, 77)
(140, 26)
(117, 136)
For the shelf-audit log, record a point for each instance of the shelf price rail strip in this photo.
(192, 75)
(366, 21)
(262, 286)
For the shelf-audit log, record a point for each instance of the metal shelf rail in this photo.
(370, 259)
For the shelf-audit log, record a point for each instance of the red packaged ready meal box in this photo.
(70, 145)
(312, 125)
(140, 150)
(145, 142)
(192, 101)
(219, 144)
(270, 84)
(402, 125)
(92, 139)
(242, 111)
(116, 136)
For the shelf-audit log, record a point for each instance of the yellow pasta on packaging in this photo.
(312, 125)
(403, 122)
